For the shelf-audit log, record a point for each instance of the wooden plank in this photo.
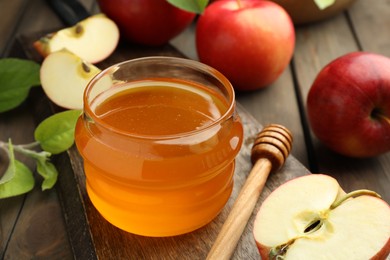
(317, 45)
(38, 228)
(278, 104)
(10, 124)
(39, 16)
(370, 23)
(30, 229)
(37, 234)
(10, 13)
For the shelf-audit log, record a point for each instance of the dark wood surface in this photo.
(61, 224)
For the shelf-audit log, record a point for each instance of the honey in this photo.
(159, 154)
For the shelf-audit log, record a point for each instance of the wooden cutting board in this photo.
(92, 237)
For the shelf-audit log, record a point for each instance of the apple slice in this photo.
(64, 76)
(311, 217)
(93, 39)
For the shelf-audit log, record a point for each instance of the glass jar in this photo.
(159, 136)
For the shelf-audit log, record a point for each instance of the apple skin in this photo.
(348, 105)
(384, 253)
(147, 22)
(250, 44)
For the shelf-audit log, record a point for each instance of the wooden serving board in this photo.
(92, 237)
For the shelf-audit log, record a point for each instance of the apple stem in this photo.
(383, 117)
(278, 252)
(355, 193)
(239, 3)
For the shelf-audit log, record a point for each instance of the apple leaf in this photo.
(18, 179)
(193, 6)
(49, 172)
(322, 4)
(56, 133)
(46, 169)
(17, 76)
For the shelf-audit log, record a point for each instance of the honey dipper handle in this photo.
(242, 209)
(269, 152)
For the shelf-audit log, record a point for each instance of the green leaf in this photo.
(56, 133)
(46, 169)
(322, 4)
(18, 179)
(17, 76)
(10, 173)
(49, 173)
(193, 6)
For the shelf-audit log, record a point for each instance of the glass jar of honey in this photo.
(158, 137)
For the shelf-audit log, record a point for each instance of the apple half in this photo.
(311, 217)
(64, 77)
(93, 39)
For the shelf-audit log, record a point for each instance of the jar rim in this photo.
(230, 111)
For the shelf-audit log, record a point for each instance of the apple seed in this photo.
(85, 67)
(78, 30)
(313, 226)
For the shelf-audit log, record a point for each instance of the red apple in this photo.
(348, 105)
(149, 22)
(251, 43)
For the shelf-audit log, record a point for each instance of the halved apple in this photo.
(64, 77)
(311, 217)
(93, 39)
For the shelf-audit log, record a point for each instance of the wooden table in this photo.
(34, 226)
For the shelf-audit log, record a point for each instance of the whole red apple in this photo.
(251, 42)
(348, 105)
(148, 22)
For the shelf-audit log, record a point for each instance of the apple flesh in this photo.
(64, 76)
(93, 39)
(147, 22)
(348, 105)
(312, 216)
(251, 43)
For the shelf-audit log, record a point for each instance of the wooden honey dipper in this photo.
(269, 152)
